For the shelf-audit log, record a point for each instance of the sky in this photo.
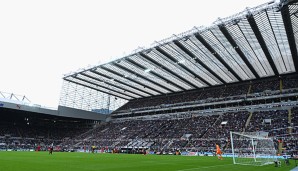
(41, 40)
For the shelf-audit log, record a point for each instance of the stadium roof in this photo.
(256, 43)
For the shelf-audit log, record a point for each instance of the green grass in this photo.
(42, 161)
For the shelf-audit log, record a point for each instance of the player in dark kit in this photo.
(51, 150)
(144, 151)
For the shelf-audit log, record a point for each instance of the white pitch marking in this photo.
(197, 168)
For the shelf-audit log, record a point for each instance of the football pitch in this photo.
(42, 161)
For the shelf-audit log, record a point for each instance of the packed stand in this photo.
(274, 122)
(256, 88)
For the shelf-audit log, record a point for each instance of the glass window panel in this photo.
(282, 39)
(156, 69)
(135, 77)
(149, 75)
(199, 69)
(191, 64)
(115, 83)
(99, 88)
(164, 73)
(103, 84)
(123, 79)
(294, 19)
(205, 56)
(175, 67)
(88, 81)
(248, 43)
(222, 46)
(264, 26)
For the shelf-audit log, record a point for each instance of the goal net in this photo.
(252, 148)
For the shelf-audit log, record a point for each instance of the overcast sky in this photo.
(40, 40)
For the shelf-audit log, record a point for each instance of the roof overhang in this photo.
(256, 43)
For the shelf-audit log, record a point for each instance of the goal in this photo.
(252, 148)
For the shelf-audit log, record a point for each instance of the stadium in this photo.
(233, 84)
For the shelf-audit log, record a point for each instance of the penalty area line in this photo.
(198, 168)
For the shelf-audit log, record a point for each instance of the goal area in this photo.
(252, 148)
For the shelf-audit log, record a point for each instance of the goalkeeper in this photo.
(218, 152)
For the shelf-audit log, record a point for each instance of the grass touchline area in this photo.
(42, 161)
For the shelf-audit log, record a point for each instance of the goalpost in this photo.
(252, 148)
